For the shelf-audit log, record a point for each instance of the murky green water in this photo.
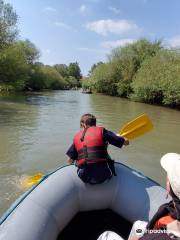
(36, 130)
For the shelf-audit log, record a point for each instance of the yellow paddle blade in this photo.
(137, 127)
(32, 180)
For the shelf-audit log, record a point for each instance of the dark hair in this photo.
(176, 201)
(88, 119)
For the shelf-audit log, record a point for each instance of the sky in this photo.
(86, 31)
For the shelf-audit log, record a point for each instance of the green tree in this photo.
(53, 80)
(158, 80)
(104, 79)
(123, 64)
(45, 77)
(36, 79)
(16, 64)
(87, 84)
(8, 21)
(128, 61)
(13, 67)
(93, 67)
(31, 53)
(71, 82)
(62, 69)
(74, 70)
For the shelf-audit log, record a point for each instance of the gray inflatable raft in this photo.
(44, 211)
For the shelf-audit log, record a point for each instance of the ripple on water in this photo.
(11, 189)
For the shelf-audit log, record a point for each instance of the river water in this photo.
(36, 130)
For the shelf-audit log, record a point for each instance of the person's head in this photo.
(87, 120)
(171, 164)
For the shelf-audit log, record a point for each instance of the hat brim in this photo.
(167, 161)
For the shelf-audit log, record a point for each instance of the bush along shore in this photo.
(142, 71)
(20, 69)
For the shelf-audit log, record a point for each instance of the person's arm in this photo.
(126, 141)
(70, 160)
(113, 139)
(72, 154)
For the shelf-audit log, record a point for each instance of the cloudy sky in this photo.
(86, 30)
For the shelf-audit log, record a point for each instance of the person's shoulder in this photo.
(76, 135)
(108, 132)
(100, 127)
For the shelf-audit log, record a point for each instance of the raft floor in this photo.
(89, 225)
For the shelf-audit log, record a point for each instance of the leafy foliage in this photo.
(13, 67)
(8, 21)
(45, 77)
(86, 84)
(31, 53)
(158, 80)
(75, 71)
(143, 71)
(93, 67)
(104, 79)
(19, 69)
(129, 60)
(62, 69)
(122, 66)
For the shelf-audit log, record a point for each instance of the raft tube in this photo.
(44, 211)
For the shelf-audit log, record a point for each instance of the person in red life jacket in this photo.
(168, 215)
(89, 151)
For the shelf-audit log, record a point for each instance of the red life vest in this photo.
(163, 222)
(92, 149)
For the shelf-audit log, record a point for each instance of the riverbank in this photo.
(143, 71)
(138, 101)
(9, 89)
